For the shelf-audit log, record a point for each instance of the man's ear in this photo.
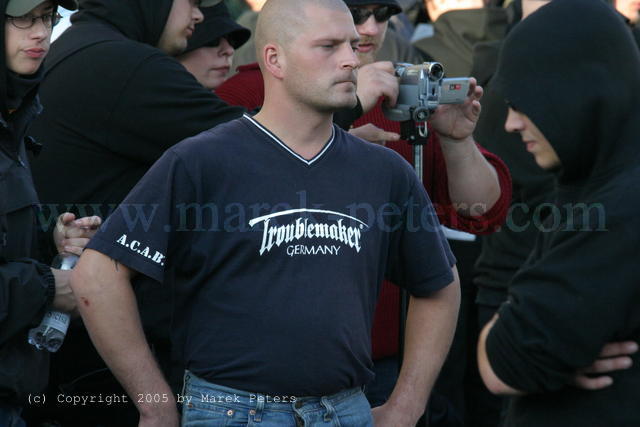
(274, 60)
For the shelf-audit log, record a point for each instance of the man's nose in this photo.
(369, 27)
(225, 47)
(514, 122)
(197, 15)
(350, 60)
(39, 30)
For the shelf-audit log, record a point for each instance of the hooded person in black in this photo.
(114, 100)
(573, 99)
(28, 287)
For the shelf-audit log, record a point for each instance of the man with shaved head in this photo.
(275, 238)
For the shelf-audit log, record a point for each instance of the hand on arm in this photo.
(376, 80)
(613, 357)
(108, 307)
(473, 182)
(72, 235)
(431, 323)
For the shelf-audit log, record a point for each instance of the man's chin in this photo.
(366, 57)
(339, 104)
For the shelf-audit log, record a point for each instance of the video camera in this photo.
(422, 89)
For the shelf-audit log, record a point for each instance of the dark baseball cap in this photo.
(22, 7)
(393, 4)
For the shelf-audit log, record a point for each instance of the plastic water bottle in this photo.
(50, 334)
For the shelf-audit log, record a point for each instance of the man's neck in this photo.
(302, 129)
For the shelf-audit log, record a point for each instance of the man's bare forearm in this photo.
(108, 307)
(473, 182)
(431, 323)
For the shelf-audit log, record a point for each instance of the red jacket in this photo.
(246, 89)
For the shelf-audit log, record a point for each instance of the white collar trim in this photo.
(283, 145)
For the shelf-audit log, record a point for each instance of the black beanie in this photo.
(217, 23)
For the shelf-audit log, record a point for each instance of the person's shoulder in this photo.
(117, 45)
(615, 197)
(214, 142)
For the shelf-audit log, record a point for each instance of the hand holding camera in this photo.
(451, 105)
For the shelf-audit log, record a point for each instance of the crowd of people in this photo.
(256, 247)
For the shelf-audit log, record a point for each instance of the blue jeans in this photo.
(208, 404)
(10, 416)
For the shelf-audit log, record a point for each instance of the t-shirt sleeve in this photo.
(420, 257)
(565, 307)
(140, 232)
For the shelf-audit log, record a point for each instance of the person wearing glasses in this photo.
(378, 39)
(28, 288)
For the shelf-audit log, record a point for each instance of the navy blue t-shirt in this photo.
(275, 261)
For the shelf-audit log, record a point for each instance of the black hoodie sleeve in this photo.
(26, 289)
(565, 307)
(161, 104)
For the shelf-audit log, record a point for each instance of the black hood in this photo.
(140, 20)
(25, 85)
(573, 68)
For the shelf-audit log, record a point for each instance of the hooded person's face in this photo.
(181, 24)
(533, 138)
(26, 48)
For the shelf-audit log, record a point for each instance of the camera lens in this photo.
(436, 71)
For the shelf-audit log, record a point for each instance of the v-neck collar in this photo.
(278, 141)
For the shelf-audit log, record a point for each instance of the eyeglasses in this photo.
(381, 14)
(27, 21)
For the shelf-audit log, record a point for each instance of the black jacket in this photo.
(505, 251)
(26, 286)
(579, 290)
(113, 104)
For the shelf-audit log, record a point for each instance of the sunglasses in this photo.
(360, 14)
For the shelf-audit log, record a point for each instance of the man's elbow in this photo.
(495, 384)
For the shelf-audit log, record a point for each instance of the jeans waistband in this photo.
(207, 391)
